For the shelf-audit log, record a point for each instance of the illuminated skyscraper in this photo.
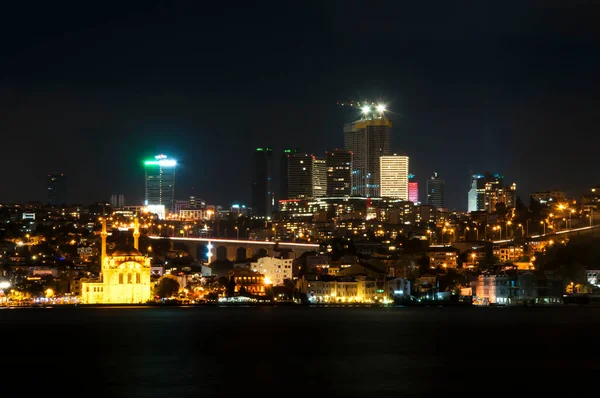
(435, 191)
(413, 189)
(57, 189)
(307, 176)
(283, 188)
(262, 183)
(319, 183)
(368, 139)
(477, 193)
(339, 173)
(394, 176)
(160, 182)
(487, 190)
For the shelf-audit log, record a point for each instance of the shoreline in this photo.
(287, 305)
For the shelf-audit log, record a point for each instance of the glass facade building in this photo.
(160, 182)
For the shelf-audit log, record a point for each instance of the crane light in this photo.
(366, 109)
(380, 108)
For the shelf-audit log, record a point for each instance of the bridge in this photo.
(565, 233)
(239, 249)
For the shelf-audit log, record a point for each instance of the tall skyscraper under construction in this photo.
(368, 139)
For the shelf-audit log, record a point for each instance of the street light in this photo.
(570, 221)
(544, 224)
(522, 230)
(498, 228)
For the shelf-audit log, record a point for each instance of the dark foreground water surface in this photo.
(298, 351)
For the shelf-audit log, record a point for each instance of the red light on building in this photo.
(413, 192)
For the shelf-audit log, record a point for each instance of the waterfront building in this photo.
(275, 270)
(125, 275)
(340, 289)
(247, 281)
(525, 287)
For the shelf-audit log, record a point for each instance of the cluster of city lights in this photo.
(379, 108)
(162, 161)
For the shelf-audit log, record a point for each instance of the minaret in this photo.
(103, 235)
(136, 234)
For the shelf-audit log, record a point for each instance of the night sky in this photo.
(91, 90)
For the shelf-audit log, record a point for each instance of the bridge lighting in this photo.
(381, 108)
(366, 109)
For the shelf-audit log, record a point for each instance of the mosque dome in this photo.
(126, 251)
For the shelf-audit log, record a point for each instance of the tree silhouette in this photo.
(231, 287)
(424, 264)
(167, 286)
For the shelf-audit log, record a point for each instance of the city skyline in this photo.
(357, 178)
(503, 89)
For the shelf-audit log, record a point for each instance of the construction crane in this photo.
(369, 109)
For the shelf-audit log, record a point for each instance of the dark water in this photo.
(298, 351)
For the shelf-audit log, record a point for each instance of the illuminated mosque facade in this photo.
(124, 277)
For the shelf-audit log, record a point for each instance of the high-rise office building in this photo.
(307, 176)
(160, 182)
(394, 176)
(300, 176)
(319, 178)
(283, 188)
(339, 173)
(413, 189)
(477, 193)
(487, 190)
(435, 191)
(57, 189)
(262, 183)
(368, 139)
(117, 200)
